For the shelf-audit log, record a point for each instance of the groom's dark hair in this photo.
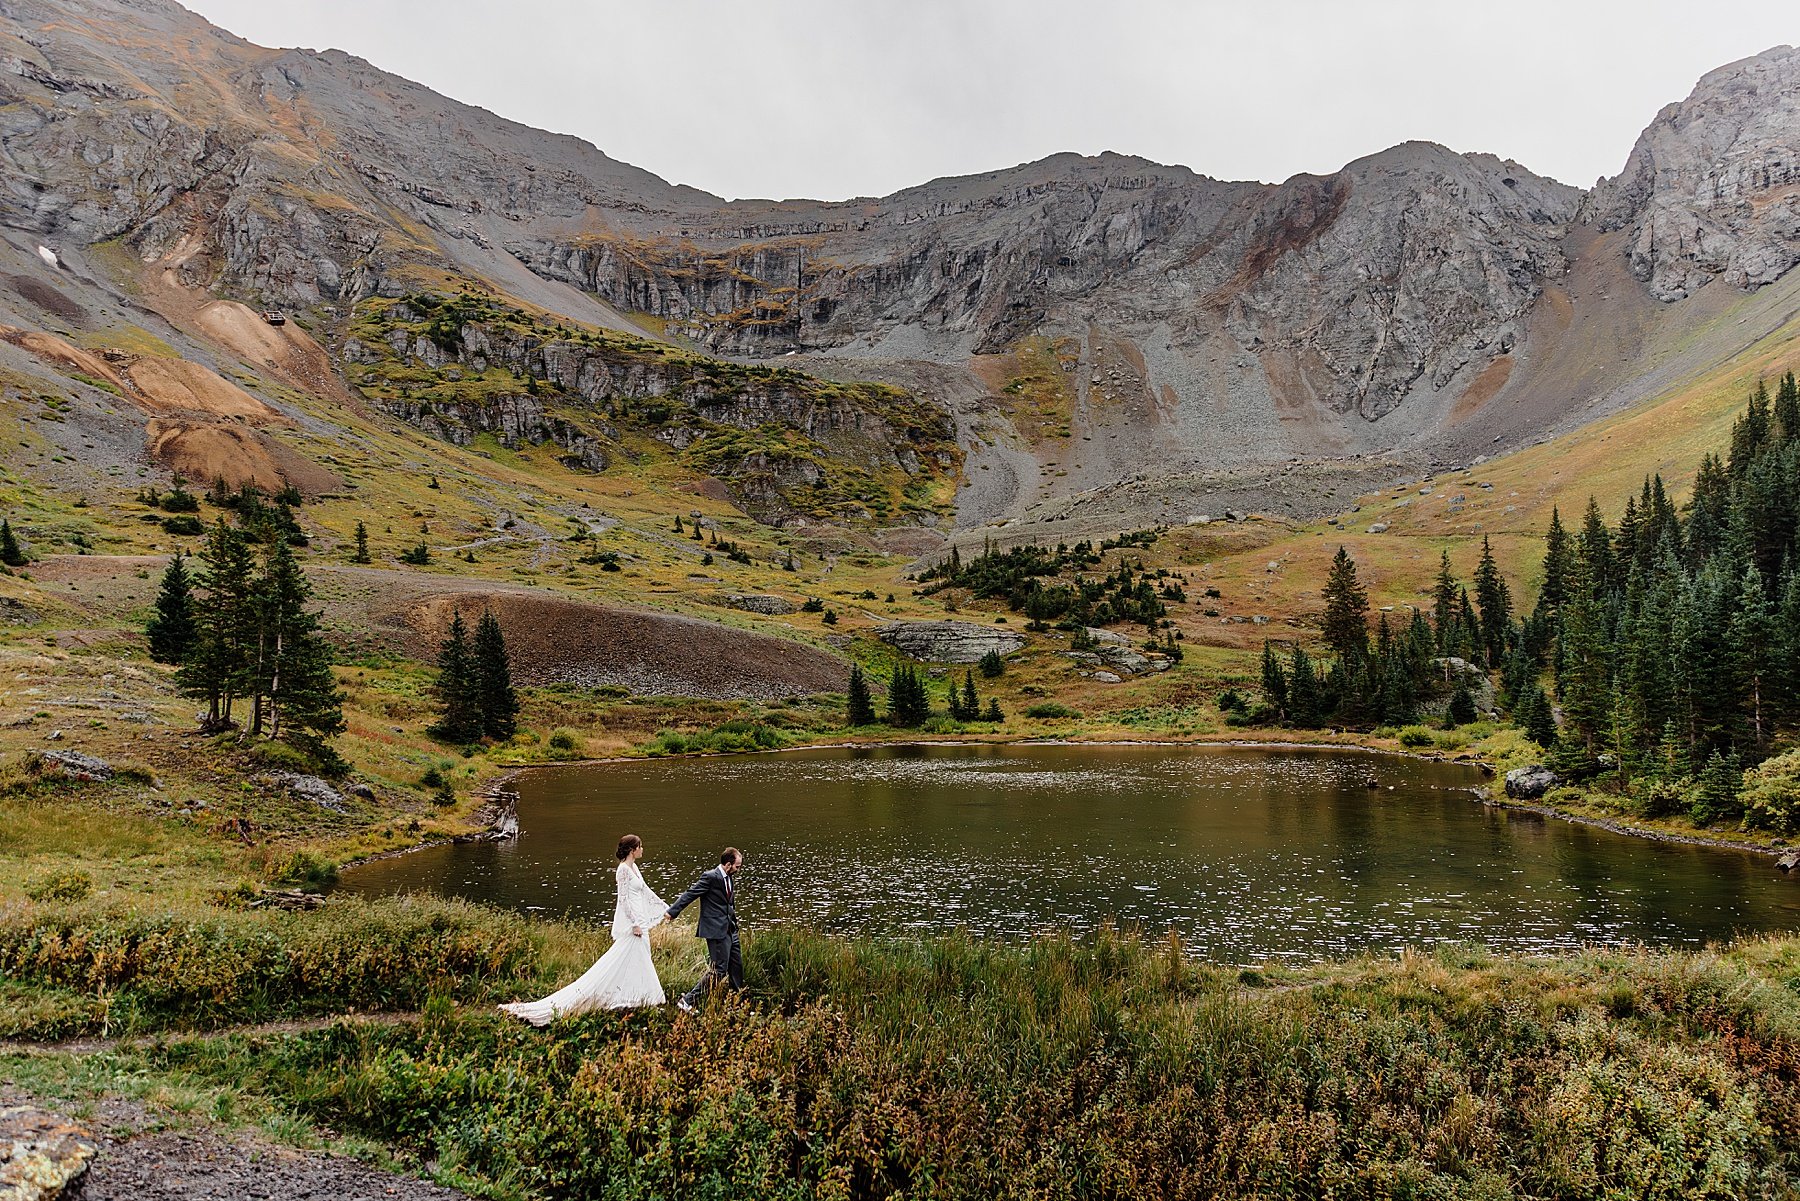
(729, 855)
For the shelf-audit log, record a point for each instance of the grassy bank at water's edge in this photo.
(1113, 1067)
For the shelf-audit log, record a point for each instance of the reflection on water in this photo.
(1249, 854)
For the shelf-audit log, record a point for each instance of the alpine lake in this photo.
(1248, 854)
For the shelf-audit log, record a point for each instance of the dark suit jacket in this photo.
(718, 908)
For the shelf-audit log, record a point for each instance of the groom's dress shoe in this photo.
(684, 1005)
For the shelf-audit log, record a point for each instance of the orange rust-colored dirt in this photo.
(285, 352)
(237, 454)
(177, 386)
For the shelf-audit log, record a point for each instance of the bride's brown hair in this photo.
(628, 844)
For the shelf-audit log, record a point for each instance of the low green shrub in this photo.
(281, 756)
(305, 870)
(734, 737)
(1416, 736)
(1652, 797)
(1771, 795)
(60, 886)
(565, 740)
(1051, 710)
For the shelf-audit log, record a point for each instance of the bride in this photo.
(624, 976)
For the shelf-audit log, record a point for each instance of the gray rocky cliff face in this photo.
(1712, 188)
(1214, 324)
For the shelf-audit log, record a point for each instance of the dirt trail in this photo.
(141, 1158)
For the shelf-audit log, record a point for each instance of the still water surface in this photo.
(1249, 854)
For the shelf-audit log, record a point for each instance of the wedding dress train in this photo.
(623, 977)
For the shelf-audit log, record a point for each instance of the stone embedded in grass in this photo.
(307, 788)
(949, 641)
(45, 1155)
(88, 769)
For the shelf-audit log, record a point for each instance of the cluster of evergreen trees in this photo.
(1384, 682)
(1020, 575)
(240, 633)
(1674, 636)
(474, 684)
(908, 702)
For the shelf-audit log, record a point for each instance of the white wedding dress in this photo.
(623, 977)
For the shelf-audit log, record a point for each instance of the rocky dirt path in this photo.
(122, 1152)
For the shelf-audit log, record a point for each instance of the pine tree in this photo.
(1443, 606)
(992, 665)
(457, 688)
(1496, 606)
(1787, 409)
(1750, 431)
(1462, 706)
(859, 706)
(498, 701)
(1556, 566)
(1346, 623)
(362, 544)
(993, 711)
(1274, 682)
(908, 704)
(11, 554)
(1534, 715)
(1595, 547)
(216, 667)
(1721, 780)
(971, 704)
(1585, 679)
(171, 629)
(1305, 705)
(1709, 510)
(292, 663)
(305, 706)
(1398, 702)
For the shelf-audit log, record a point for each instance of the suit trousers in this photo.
(724, 966)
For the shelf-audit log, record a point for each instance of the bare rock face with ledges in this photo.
(1372, 315)
(1712, 188)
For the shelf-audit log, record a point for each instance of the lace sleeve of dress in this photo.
(636, 896)
(654, 906)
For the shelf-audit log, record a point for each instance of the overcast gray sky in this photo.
(836, 98)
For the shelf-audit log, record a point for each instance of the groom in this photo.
(717, 893)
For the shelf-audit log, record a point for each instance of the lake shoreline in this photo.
(487, 813)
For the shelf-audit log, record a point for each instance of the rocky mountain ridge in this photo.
(1391, 311)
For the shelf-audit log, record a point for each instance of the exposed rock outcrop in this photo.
(1712, 188)
(1195, 325)
(949, 641)
(764, 603)
(307, 788)
(89, 769)
(1530, 783)
(43, 1156)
